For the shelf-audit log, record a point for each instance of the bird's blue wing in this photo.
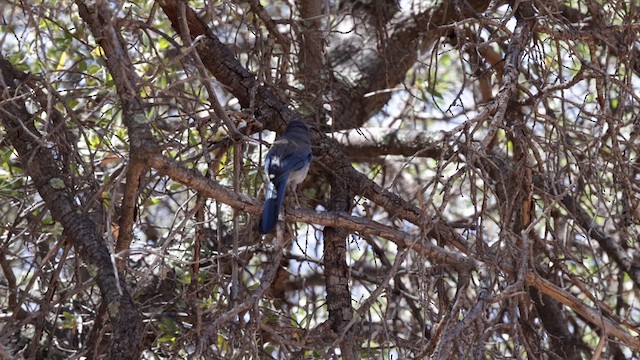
(278, 165)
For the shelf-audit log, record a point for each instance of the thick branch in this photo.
(337, 270)
(312, 72)
(374, 142)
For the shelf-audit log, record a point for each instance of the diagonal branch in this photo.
(354, 224)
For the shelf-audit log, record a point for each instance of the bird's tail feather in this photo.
(272, 204)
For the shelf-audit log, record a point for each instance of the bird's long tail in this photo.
(272, 204)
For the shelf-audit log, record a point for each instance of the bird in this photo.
(286, 163)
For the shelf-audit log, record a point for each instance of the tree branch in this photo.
(337, 271)
(374, 142)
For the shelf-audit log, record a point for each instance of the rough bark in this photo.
(337, 271)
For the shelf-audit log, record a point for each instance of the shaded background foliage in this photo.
(474, 190)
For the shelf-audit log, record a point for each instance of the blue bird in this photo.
(287, 162)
